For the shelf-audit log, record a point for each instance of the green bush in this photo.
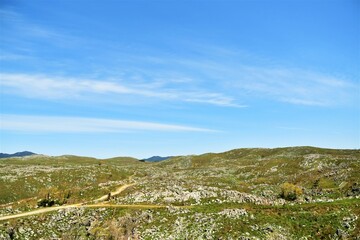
(46, 202)
(290, 191)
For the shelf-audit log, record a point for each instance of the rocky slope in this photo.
(284, 193)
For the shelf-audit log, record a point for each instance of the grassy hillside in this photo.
(327, 171)
(36, 176)
(282, 193)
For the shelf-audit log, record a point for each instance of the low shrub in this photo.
(290, 191)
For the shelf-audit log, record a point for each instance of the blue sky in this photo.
(142, 78)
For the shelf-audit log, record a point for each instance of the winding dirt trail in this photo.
(83, 204)
(118, 191)
(79, 205)
(38, 211)
(95, 205)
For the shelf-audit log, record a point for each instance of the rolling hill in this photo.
(17, 154)
(156, 159)
(253, 193)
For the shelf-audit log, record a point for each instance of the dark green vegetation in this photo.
(283, 193)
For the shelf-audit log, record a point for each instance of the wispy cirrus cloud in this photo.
(51, 124)
(246, 77)
(213, 75)
(296, 86)
(17, 28)
(48, 87)
(277, 83)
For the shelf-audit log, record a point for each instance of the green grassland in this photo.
(59, 176)
(232, 195)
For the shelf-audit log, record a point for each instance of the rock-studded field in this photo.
(284, 193)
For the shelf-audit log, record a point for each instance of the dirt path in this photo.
(86, 205)
(83, 204)
(38, 211)
(79, 205)
(95, 205)
(118, 191)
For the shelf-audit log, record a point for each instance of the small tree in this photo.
(290, 191)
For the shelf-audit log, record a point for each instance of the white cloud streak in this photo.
(290, 85)
(55, 124)
(297, 86)
(47, 87)
(232, 73)
(215, 76)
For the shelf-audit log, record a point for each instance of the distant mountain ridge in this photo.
(156, 159)
(17, 154)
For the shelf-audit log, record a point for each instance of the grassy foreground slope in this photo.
(237, 194)
(79, 177)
